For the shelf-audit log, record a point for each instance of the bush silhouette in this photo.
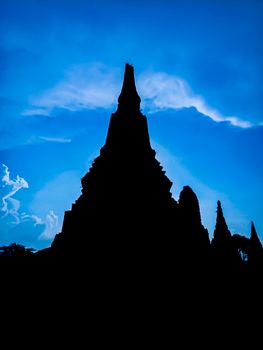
(15, 250)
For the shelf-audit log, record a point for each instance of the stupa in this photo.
(126, 203)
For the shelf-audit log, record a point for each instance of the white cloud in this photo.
(55, 139)
(52, 226)
(13, 210)
(16, 184)
(50, 221)
(84, 87)
(10, 206)
(37, 111)
(97, 86)
(37, 220)
(163, 91)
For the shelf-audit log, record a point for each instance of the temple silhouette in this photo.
(126, 212)
(128, 250)
(126, 206)
(126, 203)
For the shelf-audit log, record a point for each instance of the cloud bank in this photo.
(97, 86)
(163, 91)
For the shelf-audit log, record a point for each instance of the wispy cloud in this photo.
(97, 86)
(84, 87)
(52, 226)
(163, 91)
(36, 219)
(55, 139)
(43, 111)
(10, 206)
(16, 184)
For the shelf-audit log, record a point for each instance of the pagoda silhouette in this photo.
(126, 241)
(128, 250)
(126, 212)
(126, 207)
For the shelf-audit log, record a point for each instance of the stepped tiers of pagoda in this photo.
(126, 208)
(128, 250)
(126, 196)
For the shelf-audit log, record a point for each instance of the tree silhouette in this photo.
(241, 245)
(15, 250)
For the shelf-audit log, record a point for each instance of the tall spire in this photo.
(221, 232)
(125, 192)
(129, 100)
(254, 240)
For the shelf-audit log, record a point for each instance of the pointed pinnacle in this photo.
(129, 98)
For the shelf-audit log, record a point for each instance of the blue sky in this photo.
(198, 67)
